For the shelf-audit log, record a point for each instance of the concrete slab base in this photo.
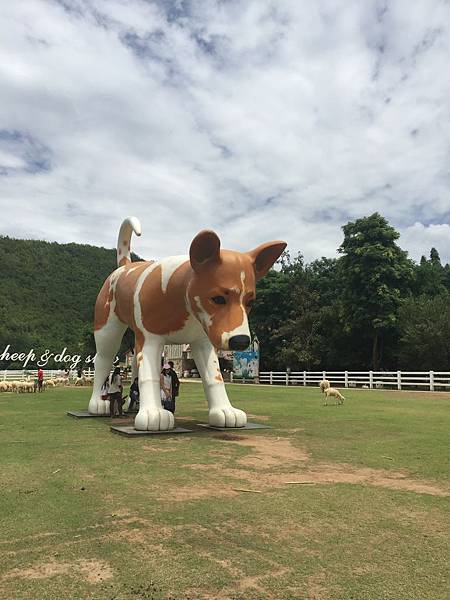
(130, 431)
(84, 414)
(247, 426)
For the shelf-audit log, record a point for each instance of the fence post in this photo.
(271, 377)
(346, 378)
(399, 380)
(287, 378)
(304, 378)
(431, 381)
(231, 376)
(371, 379)
(324, 375)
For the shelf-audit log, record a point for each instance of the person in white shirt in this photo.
(166, 388)
(115, 394)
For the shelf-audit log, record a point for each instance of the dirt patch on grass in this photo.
(201, 490)
(230, 437)
(268, 451)
(158, 449)
(316, 587)
(271, 452)
(151, 528)
(258, 417)
(122, 524)
(428, 521)
(240, 585)
(337, 473)
(94, 571)
(394, 480)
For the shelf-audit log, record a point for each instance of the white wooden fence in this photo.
(430, 380)
(24, 374)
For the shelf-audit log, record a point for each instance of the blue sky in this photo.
(259, 119)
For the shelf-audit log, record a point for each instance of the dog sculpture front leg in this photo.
(107, 341)
(221, 412)
(151, 416)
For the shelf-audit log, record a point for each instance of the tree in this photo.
(300, 333)
(269, 311)
(434, 257)
(430, 276)
(425, 333)
(376, 275)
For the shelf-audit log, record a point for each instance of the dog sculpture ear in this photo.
(264, 257)
(205, 249)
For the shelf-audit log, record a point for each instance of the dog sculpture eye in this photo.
(219, 300)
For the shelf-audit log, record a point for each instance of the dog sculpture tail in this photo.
(129, 225)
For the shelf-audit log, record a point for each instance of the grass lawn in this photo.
(85, 513)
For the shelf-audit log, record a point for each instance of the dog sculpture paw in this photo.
(154, 419)
(97, 406)
(227, 417)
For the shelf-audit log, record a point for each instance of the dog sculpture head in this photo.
(223, 287)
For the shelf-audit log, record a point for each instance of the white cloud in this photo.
(10, 161)
(261, 120)
(419, 239)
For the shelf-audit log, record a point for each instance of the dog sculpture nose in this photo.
(239, 342)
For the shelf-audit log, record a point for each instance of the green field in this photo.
(85, 513)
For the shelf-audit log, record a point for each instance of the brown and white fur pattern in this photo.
(202, 299)
(333, 392)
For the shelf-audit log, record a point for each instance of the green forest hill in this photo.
(371, 308)
(48, 295)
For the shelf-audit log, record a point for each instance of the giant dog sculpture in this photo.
(202, 299)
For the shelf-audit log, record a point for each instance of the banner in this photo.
(246, 364)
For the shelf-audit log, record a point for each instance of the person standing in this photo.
(40, 379)
(134, 395)
(175, 383)
(166, 388)
(104, 392)
(115, 394)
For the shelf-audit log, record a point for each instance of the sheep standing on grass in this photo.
(325, 384)
(335, 393)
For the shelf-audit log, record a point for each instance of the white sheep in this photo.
(325, 384)
(21, 387)
(335, 393)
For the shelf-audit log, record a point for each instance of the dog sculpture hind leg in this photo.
(202, 299)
